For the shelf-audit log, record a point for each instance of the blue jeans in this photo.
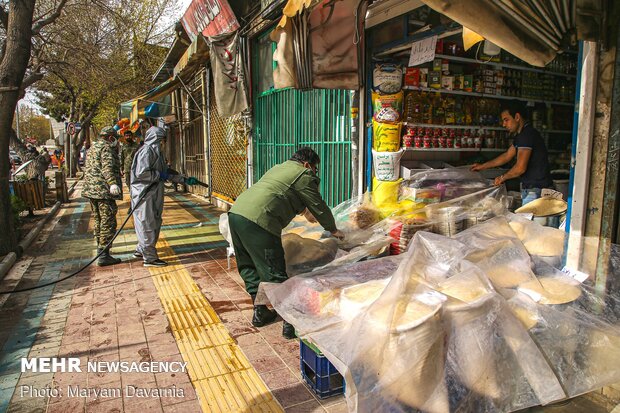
(530, 194)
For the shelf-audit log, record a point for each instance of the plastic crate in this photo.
(318, 372)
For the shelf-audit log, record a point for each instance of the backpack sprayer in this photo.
(118, 231)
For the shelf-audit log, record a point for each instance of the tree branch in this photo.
(36, 29)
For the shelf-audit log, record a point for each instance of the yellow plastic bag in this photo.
(385, 192)
(386, 136)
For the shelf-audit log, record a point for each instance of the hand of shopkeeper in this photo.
(338, 234)
(499, 180)
(476, 167)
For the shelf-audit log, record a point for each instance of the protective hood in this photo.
(154, 135)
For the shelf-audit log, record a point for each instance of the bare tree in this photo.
(18, 24)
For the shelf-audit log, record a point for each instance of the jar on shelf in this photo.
(427, 141)
(489, 140)
(478, 139)
(450, 139)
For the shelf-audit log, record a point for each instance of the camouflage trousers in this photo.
(104, 214)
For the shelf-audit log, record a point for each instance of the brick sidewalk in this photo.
(116, 314)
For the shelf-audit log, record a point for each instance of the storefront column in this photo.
(598, 165)
(581, 160)
(609, 213)
(206, 129)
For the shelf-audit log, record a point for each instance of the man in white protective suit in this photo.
(149, 167)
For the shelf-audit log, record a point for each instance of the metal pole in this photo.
(355, 136)
(17, 120)
(206, 126)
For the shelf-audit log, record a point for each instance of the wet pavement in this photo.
(194, 311)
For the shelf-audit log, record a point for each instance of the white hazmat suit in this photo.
(148, 166)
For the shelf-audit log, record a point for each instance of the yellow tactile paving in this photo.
(224, 379)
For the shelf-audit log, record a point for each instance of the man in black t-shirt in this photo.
(532, 164)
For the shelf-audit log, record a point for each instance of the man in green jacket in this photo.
(259, 215)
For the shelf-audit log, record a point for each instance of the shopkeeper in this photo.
(532, 164)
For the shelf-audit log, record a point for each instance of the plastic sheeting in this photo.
(457, 324)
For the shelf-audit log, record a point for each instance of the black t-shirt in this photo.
(537, 173)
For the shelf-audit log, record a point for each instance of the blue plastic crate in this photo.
(318, 372)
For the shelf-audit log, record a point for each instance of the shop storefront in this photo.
(286, 118)
(450, 104)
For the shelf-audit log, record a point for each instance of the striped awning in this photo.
(154, 103)
(197, 54)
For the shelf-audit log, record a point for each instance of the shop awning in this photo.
(154, 103)
(533, 30)
(197, 54)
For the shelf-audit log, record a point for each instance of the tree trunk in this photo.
(12, 70)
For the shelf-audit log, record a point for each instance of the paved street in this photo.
(194, 311)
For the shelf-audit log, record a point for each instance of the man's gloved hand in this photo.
(115, 190)
(163, 176)
(191, 180)
(176, 178)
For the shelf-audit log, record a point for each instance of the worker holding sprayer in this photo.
(148, 173)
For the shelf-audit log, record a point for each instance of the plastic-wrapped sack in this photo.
(387, 165)
(305, 229)
(437, 335)
(303, 254)
(388, 78)
(314, 298)
(539, 240)
(442, 184)
(385, 192)
(386, 136)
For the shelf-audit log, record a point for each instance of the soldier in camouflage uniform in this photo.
(102, 185)
(128, 151)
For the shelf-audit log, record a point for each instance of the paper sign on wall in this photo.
(423, 51)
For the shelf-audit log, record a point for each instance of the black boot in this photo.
(288, 331)
(106, 259)
(263, 316)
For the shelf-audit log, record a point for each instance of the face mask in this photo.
(112, 142)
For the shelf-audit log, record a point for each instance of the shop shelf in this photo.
(500, 64)
(443, 149)
(318, 372)
(428, 125)
(461, 92)
(557, 131)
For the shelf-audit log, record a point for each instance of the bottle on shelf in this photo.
(427, 108)
(439, 114)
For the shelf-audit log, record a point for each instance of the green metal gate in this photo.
(288, 119)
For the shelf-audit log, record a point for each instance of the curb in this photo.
(73, 185)
(11, 258)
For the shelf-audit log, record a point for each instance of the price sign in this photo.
(423, 51)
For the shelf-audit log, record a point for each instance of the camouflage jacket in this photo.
(102, 170)
(127, 153)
